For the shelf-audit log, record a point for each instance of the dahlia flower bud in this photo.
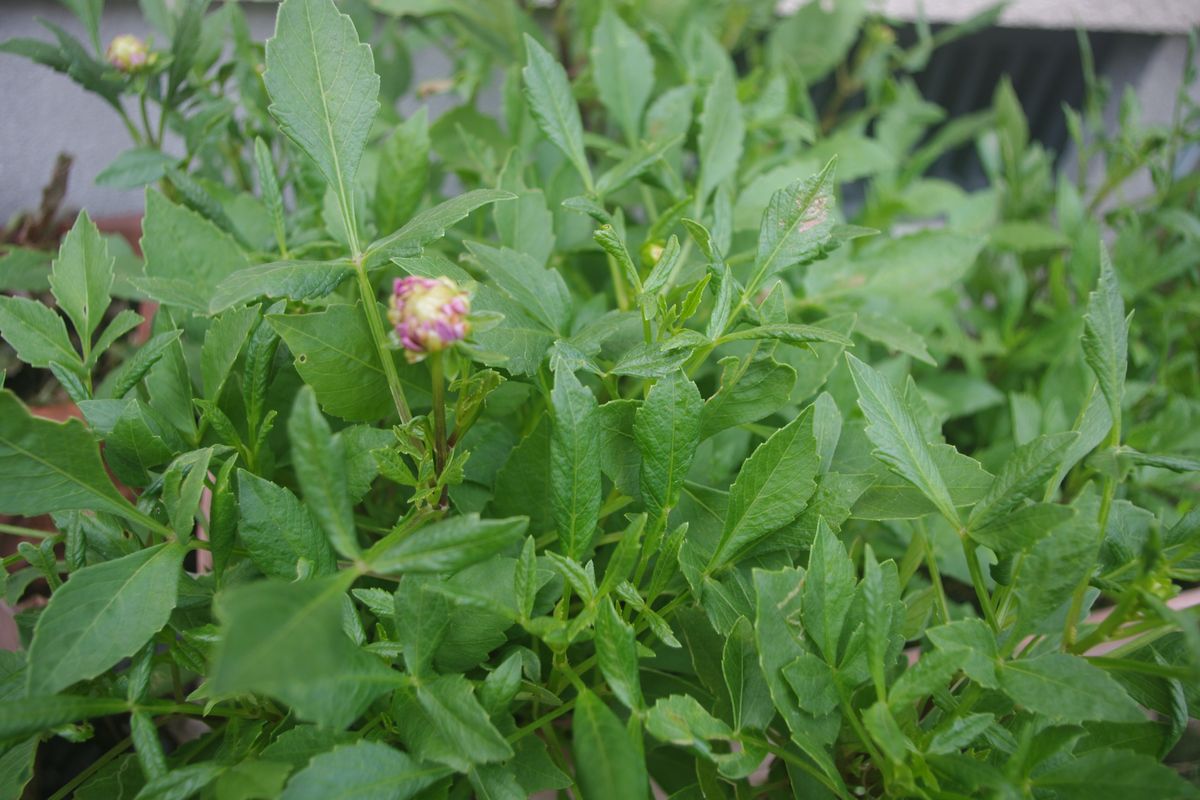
(428, 315)
(128, 53)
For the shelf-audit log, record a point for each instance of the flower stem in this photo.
(375, 323)
(438, 381)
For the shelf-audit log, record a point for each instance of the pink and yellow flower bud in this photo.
(428, 315)
(128, 53)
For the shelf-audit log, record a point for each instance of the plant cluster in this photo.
(588, 438)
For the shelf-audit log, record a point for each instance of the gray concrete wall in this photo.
(43, 112)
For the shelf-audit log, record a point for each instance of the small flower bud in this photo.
(428, 315)
(128, 53)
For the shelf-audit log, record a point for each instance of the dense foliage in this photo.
(733, 487)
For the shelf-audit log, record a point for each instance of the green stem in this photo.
(33, 533)
(935, 575)
(985, 599)
(375, 323)
(438, 381)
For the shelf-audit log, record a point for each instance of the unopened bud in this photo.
(428, 315)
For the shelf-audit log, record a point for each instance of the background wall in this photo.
(43, 112)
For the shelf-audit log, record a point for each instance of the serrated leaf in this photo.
(430, 225)
(1112, 774)
(450, 702)
(667, 430)
(82, 277)
(616, 655)
(772, 487)
(540, 291)
(47, 466)
(796, 225)
(104, 613)
(187, 256)
(335, 355)
(751, 388)
(898, 441)
(448, 545)
(553, 107)
(323, 88)
(1067, 688)
(748, 692)
(624, 71)
(269, 627)
(1106, 335)
(403, 172)
(365, 770)
(293, 280)
(278, 531)
(828, 591)
(314, 451)
(1024, 474)
(607, 763)
(574, 463)
(721, 132)
(37, 334)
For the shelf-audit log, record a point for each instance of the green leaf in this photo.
(796, 225)
(881, 603)
(448, 545)
(623, 69)
(777, 601)
(403, 172)
(268, 183)
(616, 654)
(278, 531)
(324, 90)
(223, 342)
(748, 692)
(898, 441)
(47, 466)
(1023, 475)
(772, 487)
(788, 333)
(365, 770)
(82, 277)
(24, 716)
(104, 613)
(574, 463)
(538, 290)
(1068, 689)
(16, 767)
(681, 720)
(450, 702)
(430, 225)
(751, 388)
(37, 333)
(1112, 774)
(975, 645)
(317, 458)
(136, 168)
(606, 762)
(553, 107)
(335, 355)
(667, 429)
(721, 133)
(294, 280)
(828, 591)
(187, 256)
(1052, 569)
(269, 627)
(1019, 530)
(1106, 336)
